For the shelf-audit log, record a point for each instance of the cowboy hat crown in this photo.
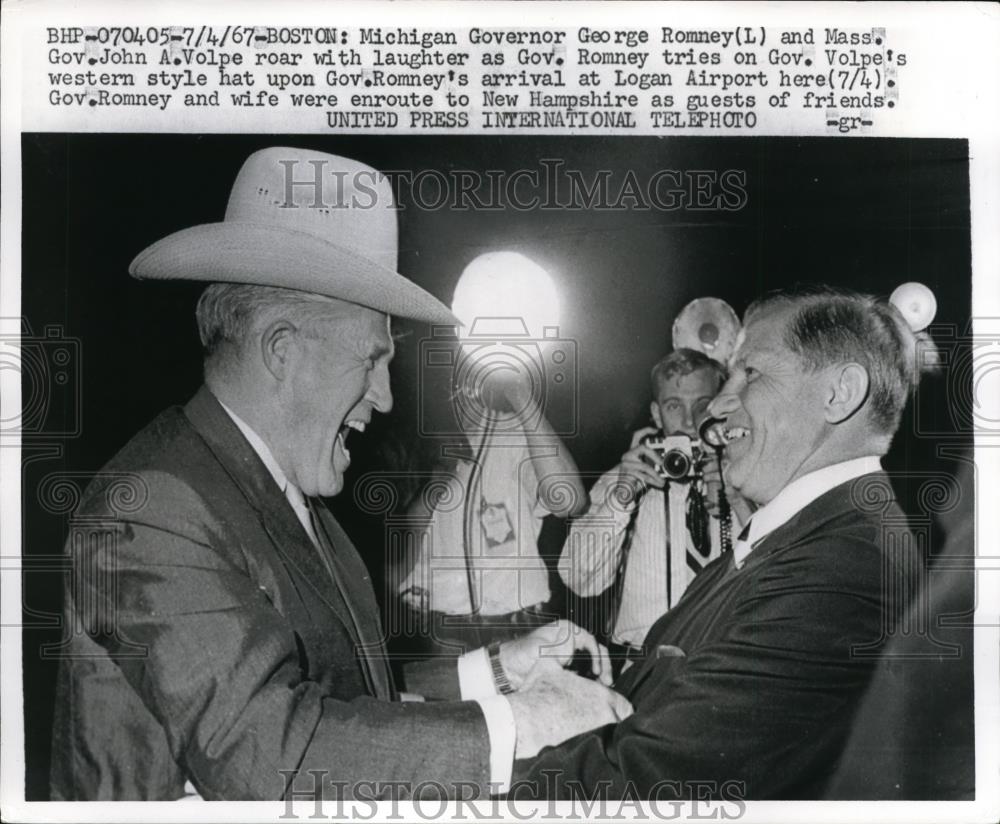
(304, 220)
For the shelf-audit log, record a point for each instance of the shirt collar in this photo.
(261, 448)
(797, 495)
(291, 492)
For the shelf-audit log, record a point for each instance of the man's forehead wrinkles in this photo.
(759, 341)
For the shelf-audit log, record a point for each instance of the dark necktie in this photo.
(698, 528)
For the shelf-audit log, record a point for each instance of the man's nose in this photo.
(724, 404)
(380, 392)
(687, 421)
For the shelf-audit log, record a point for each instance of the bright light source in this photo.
(916, 303)
(508, 294)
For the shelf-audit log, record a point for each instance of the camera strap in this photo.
(725, 514)
(697, 522)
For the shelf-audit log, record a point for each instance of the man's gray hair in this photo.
(830, 326)
(228, 313)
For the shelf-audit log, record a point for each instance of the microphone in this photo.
(710, 432)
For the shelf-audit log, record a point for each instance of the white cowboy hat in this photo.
(302, 220)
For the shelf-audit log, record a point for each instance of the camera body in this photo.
(681, 457)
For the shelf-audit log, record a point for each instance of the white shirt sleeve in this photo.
(475, 680)
(503, 738)
(593, 546)
(475, 677)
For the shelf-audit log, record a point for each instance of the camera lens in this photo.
(676, 464)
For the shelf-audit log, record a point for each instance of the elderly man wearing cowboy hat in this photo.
(240, 649)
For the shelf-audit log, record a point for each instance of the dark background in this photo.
(858, 213)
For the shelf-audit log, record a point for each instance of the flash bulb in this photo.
(916, 303)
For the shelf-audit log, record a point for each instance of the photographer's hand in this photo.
(506, 388)
(639, 434)
(636, 466)
(516, 387)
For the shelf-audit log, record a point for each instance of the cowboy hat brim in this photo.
(265, 255)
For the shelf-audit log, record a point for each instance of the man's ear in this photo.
(847, 391)
(654, 410)
(275, 347)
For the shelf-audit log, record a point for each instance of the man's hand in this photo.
(552, 645)
(636, 467)
(714, 482)
(556, 705)
(507, 386)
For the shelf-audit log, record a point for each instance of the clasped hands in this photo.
(552, 704)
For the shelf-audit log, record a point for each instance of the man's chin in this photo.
(739, 480)
(326, 485)
(332, 487)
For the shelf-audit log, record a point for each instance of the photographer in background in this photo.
(478, 577)
(623, 540)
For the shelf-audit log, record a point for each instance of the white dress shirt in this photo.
(796, 496)
(475, 677)
(507, 572)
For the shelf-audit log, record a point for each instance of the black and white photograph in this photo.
(604, 474)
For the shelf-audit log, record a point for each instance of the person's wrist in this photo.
(636, 487)
(509, 658)
(501, 679)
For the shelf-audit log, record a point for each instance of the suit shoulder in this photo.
(150, 478)
(848, 553)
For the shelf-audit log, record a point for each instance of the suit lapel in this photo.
(722, 573)
(354, 584)
(277, 518)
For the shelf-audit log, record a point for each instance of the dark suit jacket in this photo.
(914, 737)
(216, 644)
(761, 702)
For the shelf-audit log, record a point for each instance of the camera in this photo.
(681, 457)
(49, 369)
(453, 371)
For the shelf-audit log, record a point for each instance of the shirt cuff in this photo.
(499, 719)
(475, 676)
